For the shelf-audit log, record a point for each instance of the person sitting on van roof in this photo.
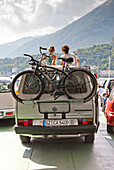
(66, 54)
(51, 58)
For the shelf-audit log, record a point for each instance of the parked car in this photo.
(62, 116)
(110, 112)
(7, 102)
(105, 91)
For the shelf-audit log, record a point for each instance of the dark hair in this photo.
(65, 48)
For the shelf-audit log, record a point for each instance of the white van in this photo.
(7, 102)
(63, 116)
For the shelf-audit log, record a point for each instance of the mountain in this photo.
(97, 27)
(8, 48)
(112, 42)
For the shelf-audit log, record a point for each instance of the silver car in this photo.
(7, 102)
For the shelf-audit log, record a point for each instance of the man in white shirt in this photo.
(66, 54)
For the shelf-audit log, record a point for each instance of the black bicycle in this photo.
(75, 83)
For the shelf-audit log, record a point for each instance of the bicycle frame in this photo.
(39, 67)
(38, 70)
(74, 83)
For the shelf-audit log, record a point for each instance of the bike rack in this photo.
(53, 101)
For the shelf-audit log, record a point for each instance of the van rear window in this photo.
(81, 78)
(4, 86)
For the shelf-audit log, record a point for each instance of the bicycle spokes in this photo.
(79, 85)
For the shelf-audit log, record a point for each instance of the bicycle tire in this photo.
(29, 86)
(76, 87)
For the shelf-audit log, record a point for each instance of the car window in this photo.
(4, 86)
(111, 94)
(111, 84)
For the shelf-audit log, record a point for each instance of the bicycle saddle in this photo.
(68, 60)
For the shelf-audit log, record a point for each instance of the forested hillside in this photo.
(7, 64)
(97, 55)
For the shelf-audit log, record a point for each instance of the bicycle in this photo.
(75, 83)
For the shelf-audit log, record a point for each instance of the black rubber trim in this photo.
(83, 110)
(39, 130)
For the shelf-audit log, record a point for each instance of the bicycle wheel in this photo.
(26, 85)
(80, 84)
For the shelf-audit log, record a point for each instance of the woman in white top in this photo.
(66, 54)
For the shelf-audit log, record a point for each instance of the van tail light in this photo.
(95, 75)
(25, 122)
(85, 121)
(112, 108)
(9, 113)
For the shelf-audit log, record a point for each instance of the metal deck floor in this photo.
(56, 153)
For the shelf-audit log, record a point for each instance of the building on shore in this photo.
(107, 73)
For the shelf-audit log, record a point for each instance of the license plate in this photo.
(62, 122)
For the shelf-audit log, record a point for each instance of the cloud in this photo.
(32, 17)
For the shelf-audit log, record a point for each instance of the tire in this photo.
(80, 84)
(29, 86)
(103, 107)
(109, 129)
(90, 138)
(25, 139)
(12, 121)
(101, 101)
(101, 104)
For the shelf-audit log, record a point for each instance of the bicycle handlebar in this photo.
(41, 48)
(28, 55)
(32, 58)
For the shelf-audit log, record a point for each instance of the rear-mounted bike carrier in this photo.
(54, 106)
(54, 101)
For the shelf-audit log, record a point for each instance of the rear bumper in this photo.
(66, 130)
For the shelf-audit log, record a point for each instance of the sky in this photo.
(22, 18)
